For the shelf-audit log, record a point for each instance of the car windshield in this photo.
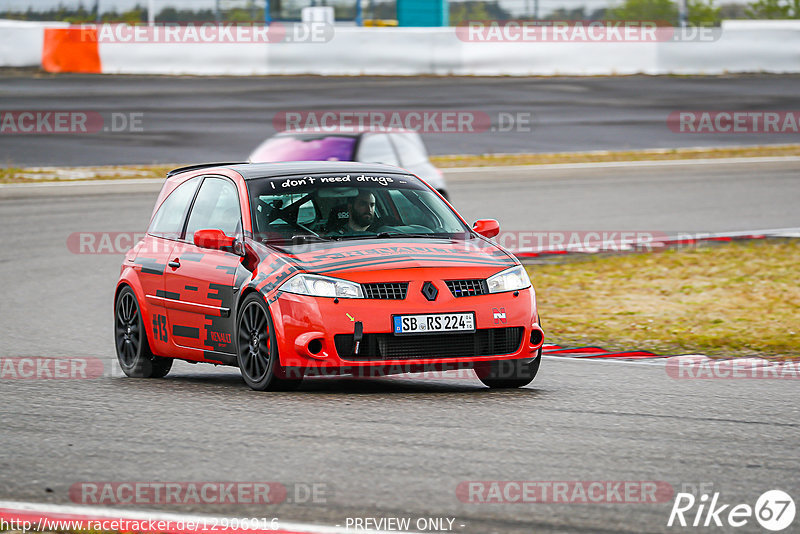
(349, 206)
(306, 147)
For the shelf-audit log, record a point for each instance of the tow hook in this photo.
(358, 335)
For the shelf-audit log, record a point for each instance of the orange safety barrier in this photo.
(71, 50)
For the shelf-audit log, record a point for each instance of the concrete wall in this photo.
(21, 42)
(739, 46)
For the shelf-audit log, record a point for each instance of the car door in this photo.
(154, 254)
(200, 280)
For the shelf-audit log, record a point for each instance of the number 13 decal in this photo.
(160, 327)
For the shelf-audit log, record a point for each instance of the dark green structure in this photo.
(423, 13)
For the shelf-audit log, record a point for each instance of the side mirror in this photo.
(487, 227)
(215, 239)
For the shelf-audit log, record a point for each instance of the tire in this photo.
(130, 339)
(508, 374)
(256, 349)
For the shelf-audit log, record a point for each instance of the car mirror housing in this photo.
(214, 239)
(487, 227)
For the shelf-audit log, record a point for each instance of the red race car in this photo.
(287, 270)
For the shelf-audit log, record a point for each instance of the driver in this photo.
(362, 212)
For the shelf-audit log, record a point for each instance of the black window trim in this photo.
(188, 213)
(185, 214)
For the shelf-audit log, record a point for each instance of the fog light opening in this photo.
(315, 346)
(537, 337)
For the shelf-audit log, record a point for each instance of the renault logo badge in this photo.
(430, 291)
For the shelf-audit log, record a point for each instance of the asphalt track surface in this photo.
(393, 447)
(191, 119)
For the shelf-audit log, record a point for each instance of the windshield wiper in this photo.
(385, 235)
(297, 239)
(302, 238)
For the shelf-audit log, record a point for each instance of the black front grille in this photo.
(386, 291)
(467, 288)
(483, 342)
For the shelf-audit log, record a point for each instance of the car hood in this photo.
(475, 258)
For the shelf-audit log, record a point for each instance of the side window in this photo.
(168, 221)
(376, 148)
(409, 213)
(307, 213)
(270, 207)
(410, 148)
(216, 206)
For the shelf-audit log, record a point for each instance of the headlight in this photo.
(511, 279)
(322, 286)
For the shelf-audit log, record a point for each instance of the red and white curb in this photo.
(686, 366)
(596, 353)
(36, 517)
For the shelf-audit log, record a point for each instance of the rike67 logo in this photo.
(774, 510)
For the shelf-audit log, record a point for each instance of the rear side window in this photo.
(305, 147)
(376, 148)
(168, 221)
(410, 148)
(216, 207)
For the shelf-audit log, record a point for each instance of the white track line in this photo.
(465, 170)
(92, 512)
(616, 164)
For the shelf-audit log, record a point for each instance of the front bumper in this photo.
(320, 333)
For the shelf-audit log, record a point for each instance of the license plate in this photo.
(434, 323)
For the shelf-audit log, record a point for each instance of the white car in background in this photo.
(401, 148)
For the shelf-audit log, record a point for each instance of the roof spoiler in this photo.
(188, 168)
